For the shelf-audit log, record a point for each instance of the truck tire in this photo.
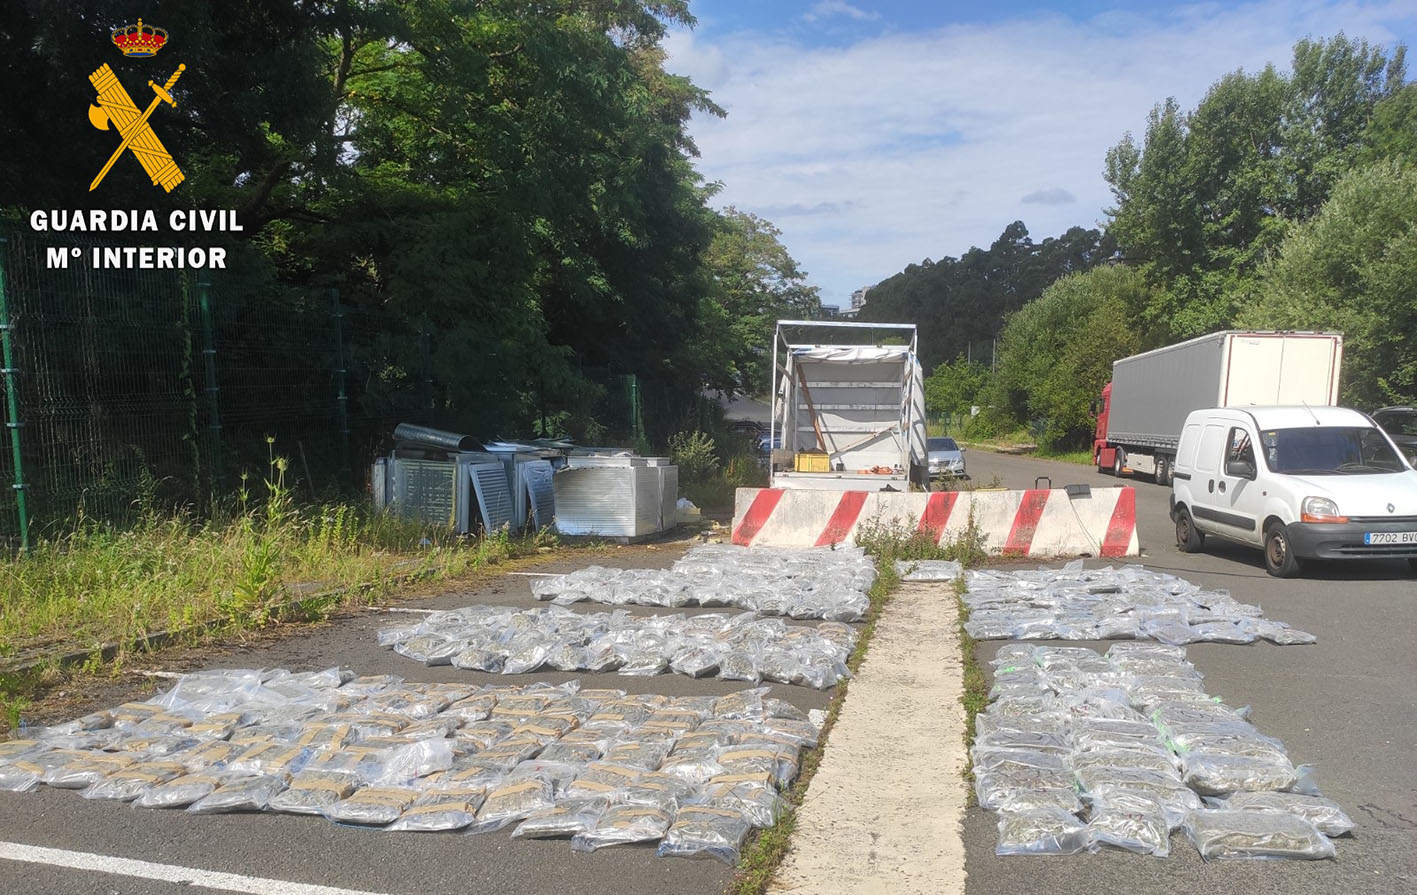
(1117, 463)
(1163, 470)
(1188, 539)
(1279, 559)
(1097, 461)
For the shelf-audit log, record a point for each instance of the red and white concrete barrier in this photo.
(1038, 522)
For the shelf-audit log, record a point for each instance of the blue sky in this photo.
(828, 22)
(876, 134)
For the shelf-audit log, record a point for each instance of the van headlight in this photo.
(1320, 509)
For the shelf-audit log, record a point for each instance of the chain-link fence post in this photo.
(191, 403)
(204, 304)
(12, 406)
(425, 345)
(341, 397)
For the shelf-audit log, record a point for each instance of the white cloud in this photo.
(828, 9)
(904, 146)
(1052, 196)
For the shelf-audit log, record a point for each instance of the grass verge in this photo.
(1081, 458)
(96, 583)
(102, 591)
(1022, 442)
(976, 687)
(766, 850)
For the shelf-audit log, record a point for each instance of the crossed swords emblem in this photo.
(115, 107)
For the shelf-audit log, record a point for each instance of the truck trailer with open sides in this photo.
(849, 409)
(1145, 405)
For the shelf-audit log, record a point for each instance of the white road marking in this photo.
(535, 574)
(207, 879)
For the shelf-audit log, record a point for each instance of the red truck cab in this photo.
(1104, 456)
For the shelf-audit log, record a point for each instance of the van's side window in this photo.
(1241, 448)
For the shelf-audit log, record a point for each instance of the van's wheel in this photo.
(1279, 558)
(1188, 539)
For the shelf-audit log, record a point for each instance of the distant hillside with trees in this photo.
(1284, 199)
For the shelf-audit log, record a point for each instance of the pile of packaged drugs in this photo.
(1073, 603)
(599, 767)
(804, 583)
(1080, 751)
(743, 647)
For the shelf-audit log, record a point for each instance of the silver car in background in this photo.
(1400, 424)
(946, 458)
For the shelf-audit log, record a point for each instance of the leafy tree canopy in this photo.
(1210, 192)
(1057, 352)
(518, 175)
(1353, 268)
(752, 283)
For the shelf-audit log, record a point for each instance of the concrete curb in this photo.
(885, 811)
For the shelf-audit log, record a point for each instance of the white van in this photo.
(1299, 482)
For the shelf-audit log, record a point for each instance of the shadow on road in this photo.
(1252, 562)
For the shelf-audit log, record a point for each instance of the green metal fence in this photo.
(133, 388)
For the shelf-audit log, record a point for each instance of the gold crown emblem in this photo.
(139, 41)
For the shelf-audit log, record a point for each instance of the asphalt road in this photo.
(1345, 705)
(311, 850)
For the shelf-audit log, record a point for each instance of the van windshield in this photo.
(1329, 450)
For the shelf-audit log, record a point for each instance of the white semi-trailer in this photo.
(1145, 405)
(848, 407)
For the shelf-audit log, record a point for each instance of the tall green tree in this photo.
(1392, 132)
(751, 282)
(545, 214)
(1056, 353)
(954, 387)
(1211, 192)
(1353, 268)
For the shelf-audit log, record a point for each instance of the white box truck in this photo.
(848, 407)
(1145, 405)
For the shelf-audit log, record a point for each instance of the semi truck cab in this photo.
(1104, 455)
